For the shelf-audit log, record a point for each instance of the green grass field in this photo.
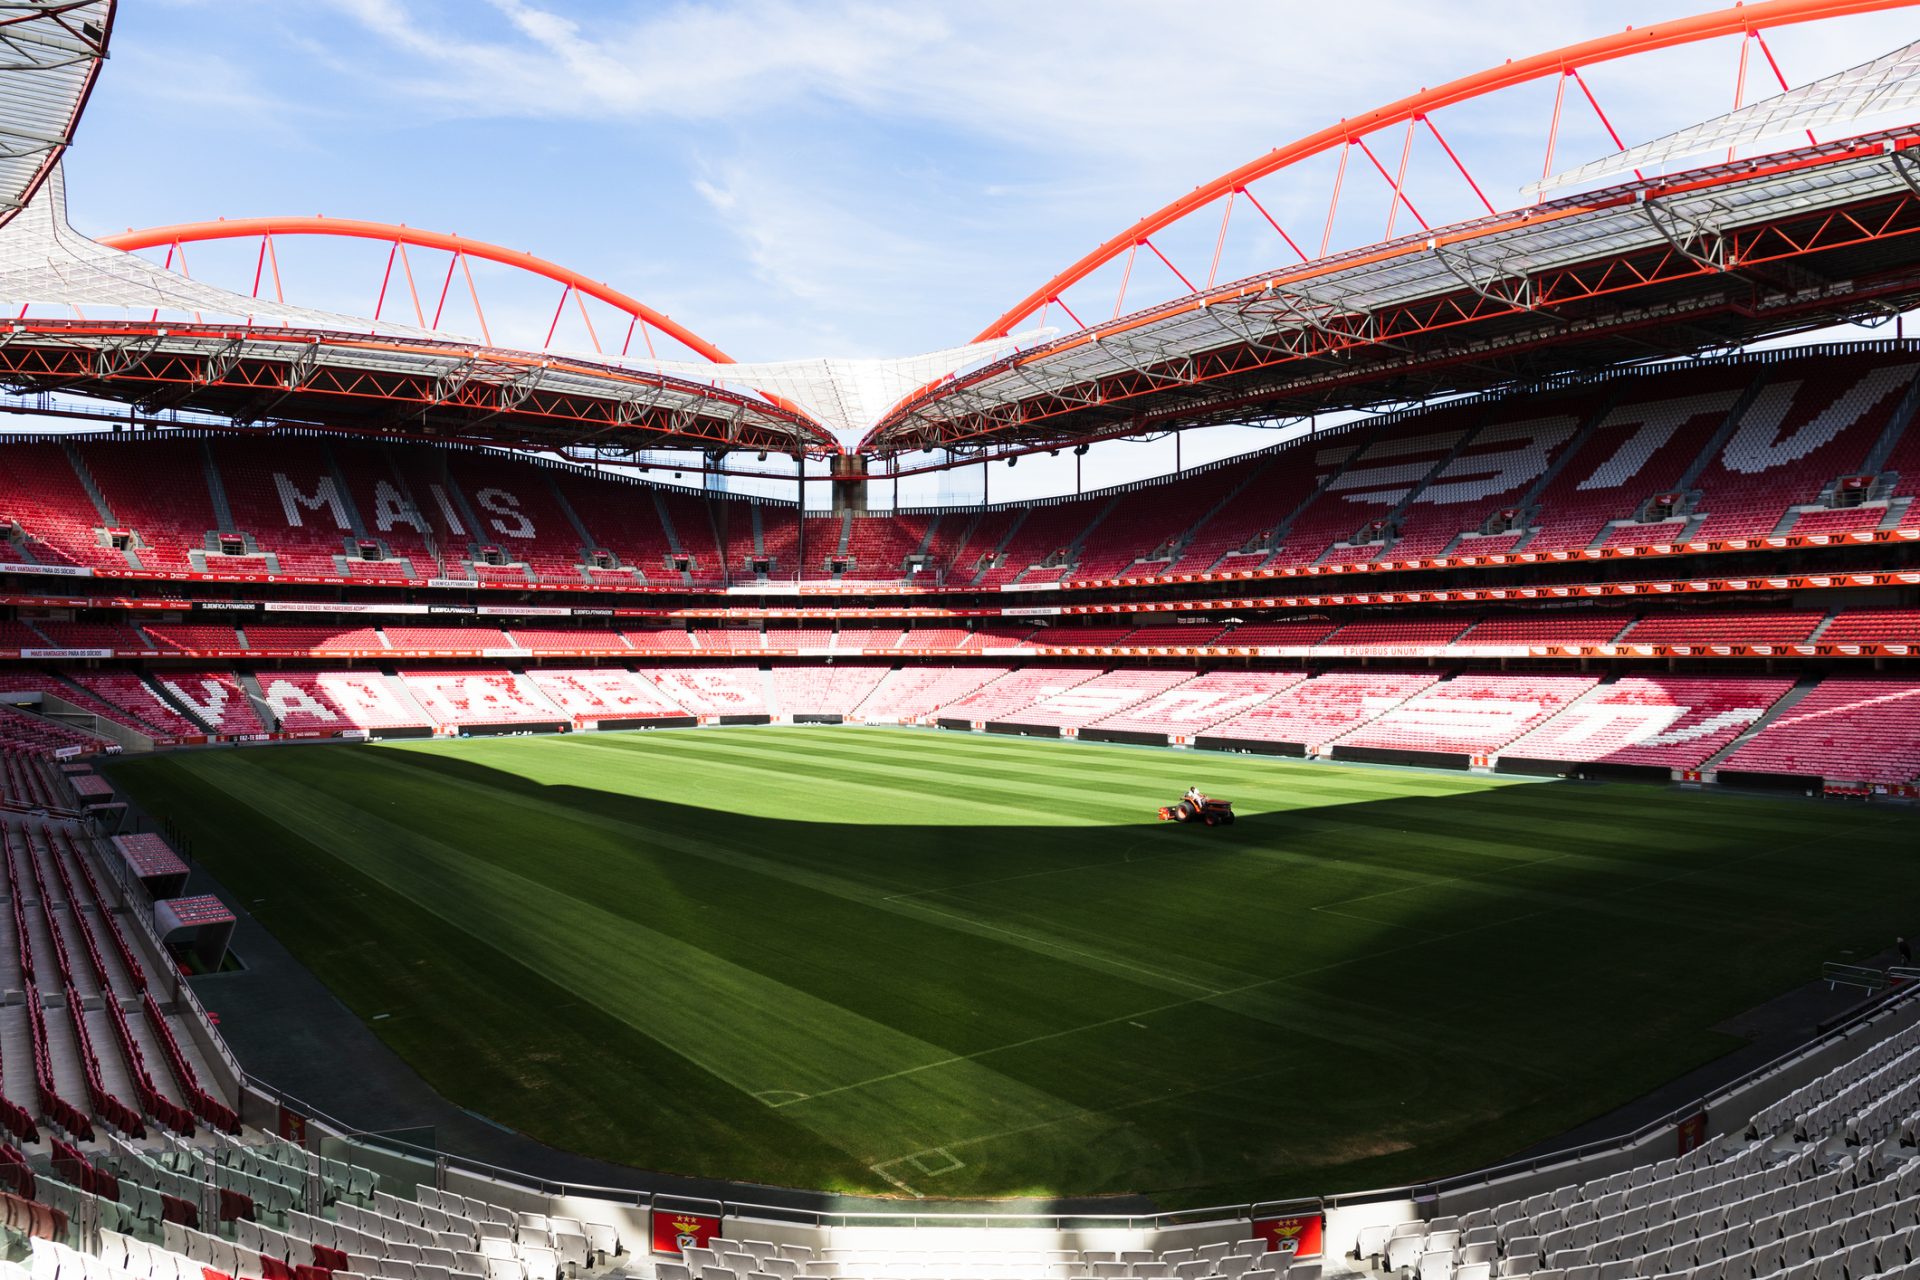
(886, 960)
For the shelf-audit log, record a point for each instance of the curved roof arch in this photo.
(1736, 20)
(399, 234)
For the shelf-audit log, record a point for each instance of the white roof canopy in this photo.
(1890, 83)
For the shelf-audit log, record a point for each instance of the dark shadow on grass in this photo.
(1572, 953)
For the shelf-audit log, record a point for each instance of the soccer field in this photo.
(955, 965)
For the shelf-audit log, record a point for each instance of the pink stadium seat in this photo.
(479, 697)
(1640, 449)
(1475, 713)
(1316, 711)
(935, 638)
(1868, 626)
(1809, 423)
(1563, 627)
(1778, 626)
(1847, 729)
(137, 703)
(577, 641)
(910, 695)
(604, 693)
(1674, 722)
(445, 639)
(1102, 696)
(215, 697)
(1013, 693)
(823, 690)
(329, 701)
(1195, 706)
(712, 691)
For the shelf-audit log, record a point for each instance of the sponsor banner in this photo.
(506, 653)
(464, 610)
(527, 611)
(1297, 1235)
(354, 735)
(458, 583)
(51, 570)
(1690, 1133)
(66, 653)
(67, 753)
(605, 613)
(1031, 611)
(314, 606)
(1031, 586)
(227, 606)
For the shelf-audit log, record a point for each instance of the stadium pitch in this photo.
(913, 962)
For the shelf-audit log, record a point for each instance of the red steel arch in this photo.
(394, 233)
(1738, 20)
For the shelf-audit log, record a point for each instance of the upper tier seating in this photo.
(726, 639)
(1154, 518)
(1390, 632)
(1472, 714)
(161, 486)
(445, 639)
(1315, 712)
(1848, 729)
(1864, 626)
(1364, 488)
(284, 494)
(1545, 472)
(94, 635)
(880, 545)
(935, 638)
(1842, 520)
(1201, 631)
(1569, 627)
(778, 637)
(42, 492)
(1641, 448)
(1256, 634)
(575, 640)
(659, 638)
(1491, 474)
(192, 637)
(275, 638)
(857, 638)
(1195, 706)
(1804, 427)
(1673, 722)
(1084, 637)
(1046, 532)
(1776, 626)
(1008, 636)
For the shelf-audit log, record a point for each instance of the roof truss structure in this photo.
(1713, 258)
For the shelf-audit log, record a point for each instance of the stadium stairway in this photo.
(1802, 687)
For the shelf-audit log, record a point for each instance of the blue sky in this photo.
(831, 178)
